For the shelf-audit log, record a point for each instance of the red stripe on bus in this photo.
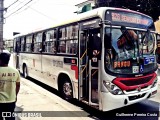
(121, 85)
(75, 68)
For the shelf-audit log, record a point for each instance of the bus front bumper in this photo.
(110, 101)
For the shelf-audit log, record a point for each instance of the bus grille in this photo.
(136, 81)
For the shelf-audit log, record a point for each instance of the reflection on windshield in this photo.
(130, 49)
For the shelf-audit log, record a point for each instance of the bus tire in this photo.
(66, 90)
(25, 71)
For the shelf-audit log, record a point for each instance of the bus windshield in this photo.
(131, 51)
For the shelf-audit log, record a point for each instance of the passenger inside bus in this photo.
(62, 48)
(53, 49)
(73, 48)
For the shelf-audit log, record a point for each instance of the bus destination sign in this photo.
(130, 19)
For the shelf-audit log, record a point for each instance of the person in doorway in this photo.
(9, 86)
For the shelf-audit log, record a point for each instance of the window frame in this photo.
(29, 41)
(37, 42)
(50, 48)
(22, 45)
(67, 40)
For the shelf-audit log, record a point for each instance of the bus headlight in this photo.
(112, 88)
(154, 83)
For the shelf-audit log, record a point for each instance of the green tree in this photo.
(149, 7)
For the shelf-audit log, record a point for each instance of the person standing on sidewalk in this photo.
(9, 86)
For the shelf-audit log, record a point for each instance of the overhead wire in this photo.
(41, 13)
(12, 4)
(22, 3)
(29, 6)
(19, 8)
(15, 6)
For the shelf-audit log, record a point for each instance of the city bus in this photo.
(104, 57)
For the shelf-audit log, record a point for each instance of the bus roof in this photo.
(95, 13)
(98, 12)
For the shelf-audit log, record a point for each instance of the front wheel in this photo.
(66, 90)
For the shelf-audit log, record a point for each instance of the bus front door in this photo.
(89, 68)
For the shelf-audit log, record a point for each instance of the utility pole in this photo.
(1, 24)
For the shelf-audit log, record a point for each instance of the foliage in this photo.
(149, 7)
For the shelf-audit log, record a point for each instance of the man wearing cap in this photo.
(9, 86)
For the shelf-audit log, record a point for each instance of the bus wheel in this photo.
(25, 71)
(66, 90)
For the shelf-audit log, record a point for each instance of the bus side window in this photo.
(29, 43)
(62, 40)
(33, 41)
(71, 39)
(42, 49)
(17, 44)
(23, 42)
(38, 42)
(72, 46)
(17, 47)
(62, 47)
(50, 41)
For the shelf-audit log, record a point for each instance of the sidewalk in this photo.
(44, 104)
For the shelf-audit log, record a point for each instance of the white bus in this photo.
(104, 57)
